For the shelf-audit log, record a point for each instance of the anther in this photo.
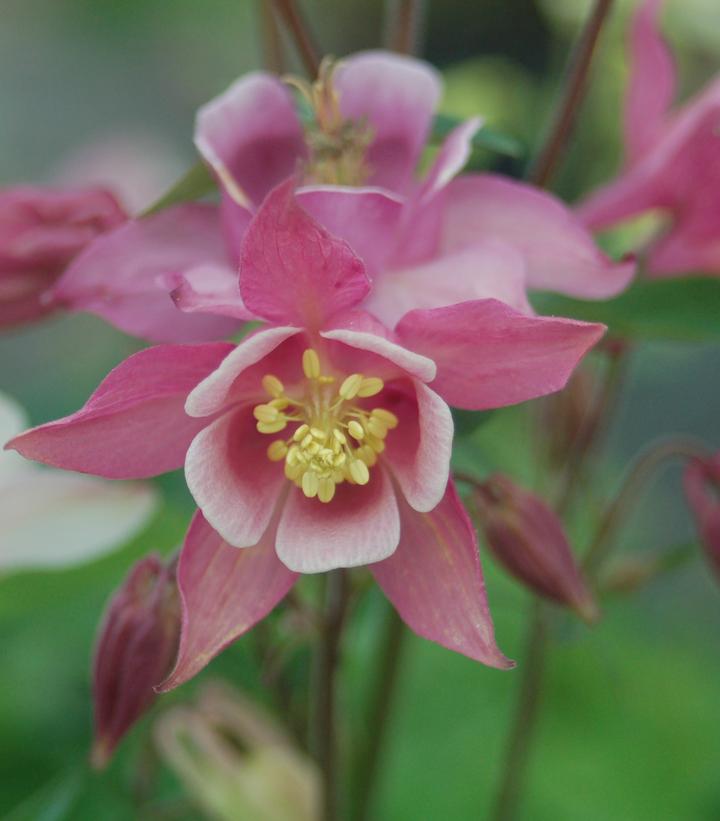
(359, 472)
(389, 419)
(266, 413)
(310, 483)
(272, 385)
(355, 429)
(277, 450)
(311, 364)
(326, 490)
(376, 427)
(351, 386)
(271, 427)
(370, 386)
(301, 432)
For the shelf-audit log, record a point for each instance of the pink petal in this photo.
(251, 136)
(134, 424)
(411, 363)
(489, 355)
(366, 218)
(230, 477)
(224, 592)
(652, 81)
(208, 290)
(292, 271)
(398, 96)
(122, 276)
(219, 388)
(451, 159)
(435, 581)
(560, 254)
(418, 450)
(484, 270)
(678, 171)
(693, 244)
(360, 525)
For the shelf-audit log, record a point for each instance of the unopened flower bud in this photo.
(235, 762)
(702, 489)
(136, 647)
(528, 539)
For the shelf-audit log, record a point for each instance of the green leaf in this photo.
(685, 309)
(195, 183)
(487, 138)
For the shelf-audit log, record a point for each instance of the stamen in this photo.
(351, 386)
(311, 364)
(272, 385)
(335, 440)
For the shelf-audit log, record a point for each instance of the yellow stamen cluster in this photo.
(336, 439)
(337, 145)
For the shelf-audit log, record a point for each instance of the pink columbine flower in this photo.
(41, 231)
(702, 489)
(672, 159)
(438, 240)
(321, 441)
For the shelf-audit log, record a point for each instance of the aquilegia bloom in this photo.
(702, 490)
(41, 230)
(322, 440)
(672, 159)
(436, 241)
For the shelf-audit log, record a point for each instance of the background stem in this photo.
(524, 723)
(370, 756)
(289, 12)
(403, 24)
(572, 95)
(328, 656)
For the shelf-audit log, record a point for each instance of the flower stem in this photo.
(643, 469)
(328, 656)
(369, 759)
(403, 25)
(272, 44)
(572, 95)
(289, 12)
(524, 723)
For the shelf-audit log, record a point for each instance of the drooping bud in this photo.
(135, 650)
(702, 489)
(529, 540)
(236, 762)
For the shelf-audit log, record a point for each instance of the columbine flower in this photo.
(430, 242)
(321, 441)
(702, 489)
(51, 519)
(671, 159)
(135, 651)
(529, 540)
(41, 231)
(236, 762)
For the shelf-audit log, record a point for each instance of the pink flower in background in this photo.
(51, 519)
(41, 231)
(672, 159)
(702, 489)
(429, 242)
(321, 441)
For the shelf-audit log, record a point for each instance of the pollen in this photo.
(331, 436)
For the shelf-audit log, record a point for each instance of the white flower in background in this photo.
(52, 518)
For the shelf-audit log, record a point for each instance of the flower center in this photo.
(337, 145)
(336, 440)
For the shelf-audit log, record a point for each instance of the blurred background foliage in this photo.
(631, 729)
